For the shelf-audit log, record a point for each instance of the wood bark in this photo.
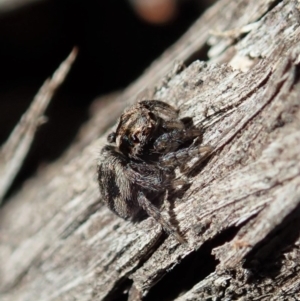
(241, 213)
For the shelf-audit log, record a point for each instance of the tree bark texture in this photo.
(241, 214)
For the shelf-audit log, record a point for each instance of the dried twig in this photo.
(14, 151)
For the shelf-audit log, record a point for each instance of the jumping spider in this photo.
(139, 165)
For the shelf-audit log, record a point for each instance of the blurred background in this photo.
(117, 40)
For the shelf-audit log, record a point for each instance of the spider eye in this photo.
(111, 138)
(127, 141)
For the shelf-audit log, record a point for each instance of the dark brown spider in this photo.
(139, 165)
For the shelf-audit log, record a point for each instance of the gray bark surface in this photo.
(241, 214)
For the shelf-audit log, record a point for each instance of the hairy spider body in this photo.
(120, 179)
(138, 167)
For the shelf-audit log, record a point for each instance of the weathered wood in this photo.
(241, 213)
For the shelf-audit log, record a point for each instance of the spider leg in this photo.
(160, 108)
(169, 142)
(181, 157)
(147, 176)
(173, 124)
(155, 213)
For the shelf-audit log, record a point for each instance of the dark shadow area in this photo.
(266, 259)
(121, 291)
(201, 54)
(191, 270)
(271, 6)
